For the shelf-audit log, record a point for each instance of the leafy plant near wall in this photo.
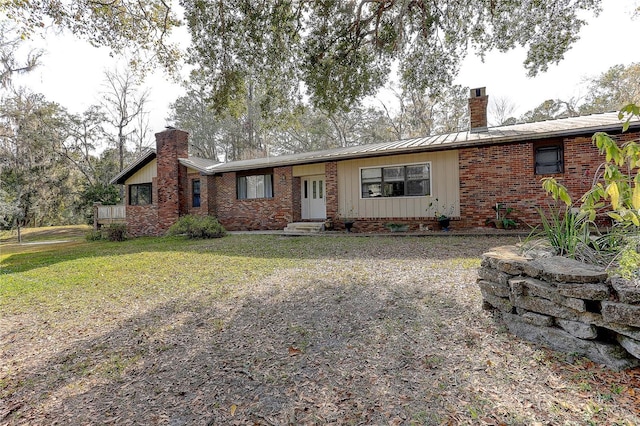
(502, 219)
(198, 227)
(615, 192)
(116, 232)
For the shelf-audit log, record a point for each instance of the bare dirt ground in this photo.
(391, 333)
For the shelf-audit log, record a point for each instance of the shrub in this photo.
(116, 232)
(615, 192)
(629, 262)
(198, 227)
(94, 235)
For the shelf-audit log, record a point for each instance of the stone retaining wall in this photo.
(563, 304)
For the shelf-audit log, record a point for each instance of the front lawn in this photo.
(263, 329)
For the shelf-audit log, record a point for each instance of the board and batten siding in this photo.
(444, 186)
(145, 174)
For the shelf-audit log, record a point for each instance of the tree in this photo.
(85, 134)
(552, 109)
(124, 101)
(193, 114)
(344, 50)
(9, 64)
(613, 89)
(610, 91)
(140, 27)
(421, 115)
(501, 110)
(37, 184)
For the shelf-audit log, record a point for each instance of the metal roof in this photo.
(494, 135)
(588, 124)
(198, 163)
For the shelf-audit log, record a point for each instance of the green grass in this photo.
(101, 275)
(87, 275)
(49, 233)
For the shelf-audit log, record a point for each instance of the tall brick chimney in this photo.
(478, 102)
(171, 145)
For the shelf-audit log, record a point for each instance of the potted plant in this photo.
(502, 220)
(441, 213)
(348, 220)
(348, 224)
(328, 224)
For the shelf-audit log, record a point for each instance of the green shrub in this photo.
(94, 235)
(198, 227)
(615, 192)
(567, 232)
(116, 232)
(629, 260)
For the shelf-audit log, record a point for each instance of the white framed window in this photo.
(254, 186)
(408, 180)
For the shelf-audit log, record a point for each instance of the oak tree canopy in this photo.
(334, 51)
(337, 52)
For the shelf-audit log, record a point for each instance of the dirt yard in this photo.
(379, 331)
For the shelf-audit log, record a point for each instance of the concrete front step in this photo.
(304, 228)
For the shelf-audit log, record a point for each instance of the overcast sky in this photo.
(73, 72)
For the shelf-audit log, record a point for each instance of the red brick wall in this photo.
(143, 220)
(202, 210)
(208, 190)
(146, 220)
(263, 213)
(505, 174)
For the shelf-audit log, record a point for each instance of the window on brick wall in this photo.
(140, 194)
(549, 159)
(255, 186)
(396, 181)
(195, 192)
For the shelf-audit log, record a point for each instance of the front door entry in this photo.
(313, 198)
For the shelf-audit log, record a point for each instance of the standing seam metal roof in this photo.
(494, 135)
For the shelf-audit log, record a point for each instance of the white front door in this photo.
(313, 198)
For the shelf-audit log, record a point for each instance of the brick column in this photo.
(171, 145)
(331, 177)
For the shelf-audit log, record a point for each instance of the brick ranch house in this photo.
(465, 174)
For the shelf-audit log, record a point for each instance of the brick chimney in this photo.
(171, 145)
(478, 102)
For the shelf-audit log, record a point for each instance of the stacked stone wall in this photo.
(563, 304)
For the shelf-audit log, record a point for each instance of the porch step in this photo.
(304, 228)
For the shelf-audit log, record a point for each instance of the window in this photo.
(257, 186)
(140, 194)
(195, 192)
(396, 181)
(549, 159)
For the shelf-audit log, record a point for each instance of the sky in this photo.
(72, 71)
